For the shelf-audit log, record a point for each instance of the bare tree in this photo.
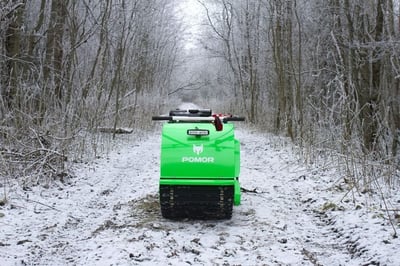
(326, 72)
(72, 66)
(13, 13)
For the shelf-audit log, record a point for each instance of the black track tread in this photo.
(196, 202)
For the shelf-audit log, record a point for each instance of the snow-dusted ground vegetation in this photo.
(108, 214)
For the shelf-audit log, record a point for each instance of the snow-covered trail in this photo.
(109, 215)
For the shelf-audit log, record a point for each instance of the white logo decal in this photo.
(197, 159)
(198, 149)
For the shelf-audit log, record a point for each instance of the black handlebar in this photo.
(233, 118)
(161, 118)
(224, 120)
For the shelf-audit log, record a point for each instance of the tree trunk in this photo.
(13, 53)
(53, 65)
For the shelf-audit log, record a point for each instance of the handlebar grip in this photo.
(233, 118)
(161, 118)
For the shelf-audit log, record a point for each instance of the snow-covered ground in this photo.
(108, 214)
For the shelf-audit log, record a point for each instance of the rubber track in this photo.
(196, 202)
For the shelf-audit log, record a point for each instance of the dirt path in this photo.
(109, 215)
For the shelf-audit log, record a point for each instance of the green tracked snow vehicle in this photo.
(200, 165)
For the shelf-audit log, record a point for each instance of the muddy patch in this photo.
(138, 213)
(145, 212)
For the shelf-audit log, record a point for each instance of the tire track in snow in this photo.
(288, 189)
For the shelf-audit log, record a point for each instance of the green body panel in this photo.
(200, 160)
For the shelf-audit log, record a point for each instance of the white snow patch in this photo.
(109, 215)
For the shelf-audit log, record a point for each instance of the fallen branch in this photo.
(245, 190)
(118, 130)
(51, 207)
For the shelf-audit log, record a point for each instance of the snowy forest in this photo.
(318, 82)
(326, 74)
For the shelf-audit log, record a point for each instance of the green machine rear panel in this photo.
(199, 160)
